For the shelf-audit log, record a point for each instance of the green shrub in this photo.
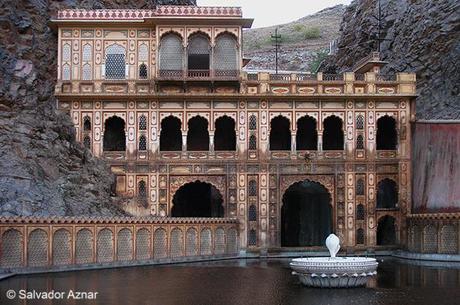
(311, 33)
(317, 59)
(299, 28)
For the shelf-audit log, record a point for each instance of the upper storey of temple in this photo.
(186, 50)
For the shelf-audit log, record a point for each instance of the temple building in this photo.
(162, 95)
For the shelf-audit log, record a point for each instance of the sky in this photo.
(270, 12)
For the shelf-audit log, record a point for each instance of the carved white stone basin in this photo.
(334, 272)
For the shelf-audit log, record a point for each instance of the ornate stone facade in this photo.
(158, 75)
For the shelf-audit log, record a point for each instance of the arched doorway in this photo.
(306, 215)
(225, 135)
(307, 136)
(114, 134)
(198, 134)
(387, 136)
(197, 199)
(171, 134)
(386, 231)
(333, 133)
(280, 133)
(387, 194)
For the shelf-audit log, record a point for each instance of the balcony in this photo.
(195, 74)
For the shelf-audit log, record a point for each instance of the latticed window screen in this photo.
(252, 188)
(87, 142)
(360, 236)
(104, 246)
(360, 186)
(191, 246)
(124, 245)
(171, 53)
(66, 72)
(142, 244)
(359, 122)
(252, 122)
(253, 142)
(225, 55)
(66, 52)
(252, 214)
(12, 250)
(252, 237)
(205, 242)
(61, 247)
(142, 193)
(360, 213)
(86, 123)
(143, 71)
(430, 239)
(160, 249)
(142, 122)
(143, 52)
(219, 243)
(359, 142)
(232, 241)
(198, 52)
(142, 143)
(177, 243)
(84, 247)
(37, 248)
(115, 63)
(449, 240)
(86, 72)
(87, 52)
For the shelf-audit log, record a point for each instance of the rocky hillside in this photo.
(418, 36)
(305, 42)
(43, 171)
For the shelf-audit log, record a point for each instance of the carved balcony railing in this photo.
(332, 77)
(226, 74)
(198, 73)
(171, 74)
(306, 77)
(386, 77)
(253, 76)
(359, 77)
(283, 77)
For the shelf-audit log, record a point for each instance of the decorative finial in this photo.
(333, 244)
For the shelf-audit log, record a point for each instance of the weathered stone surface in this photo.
(417, 36)
(43, 170)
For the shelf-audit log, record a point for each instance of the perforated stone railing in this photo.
(59, 243)
(434, 233)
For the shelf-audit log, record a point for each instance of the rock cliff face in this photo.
(417, 35)
(43, 171)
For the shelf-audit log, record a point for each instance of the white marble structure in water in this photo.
(334, 272)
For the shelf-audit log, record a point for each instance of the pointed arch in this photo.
(280, 133)
(198, 134)
(333, 136)
(225, 59)
(198, 52)
(307, 135)
(387, 138)
(171, 55)
(114, 134)
(387, 194)
(225, 134)
(171, 134)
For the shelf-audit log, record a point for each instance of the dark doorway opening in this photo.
(114, 134)
(386, 231)
(225, 135)
(280, 134)
(197, 199)
(386, 133)
(171, 134)
(307, 136)
(198, 134)
(306, 215)
(387, 194)
(333, 133)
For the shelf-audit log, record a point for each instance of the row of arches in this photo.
(225, 134)
(177, 243)
(198, 55)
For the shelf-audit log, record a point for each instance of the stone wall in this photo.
(417, 36)
(43, 171)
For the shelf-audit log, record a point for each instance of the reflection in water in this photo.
(242, 282)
